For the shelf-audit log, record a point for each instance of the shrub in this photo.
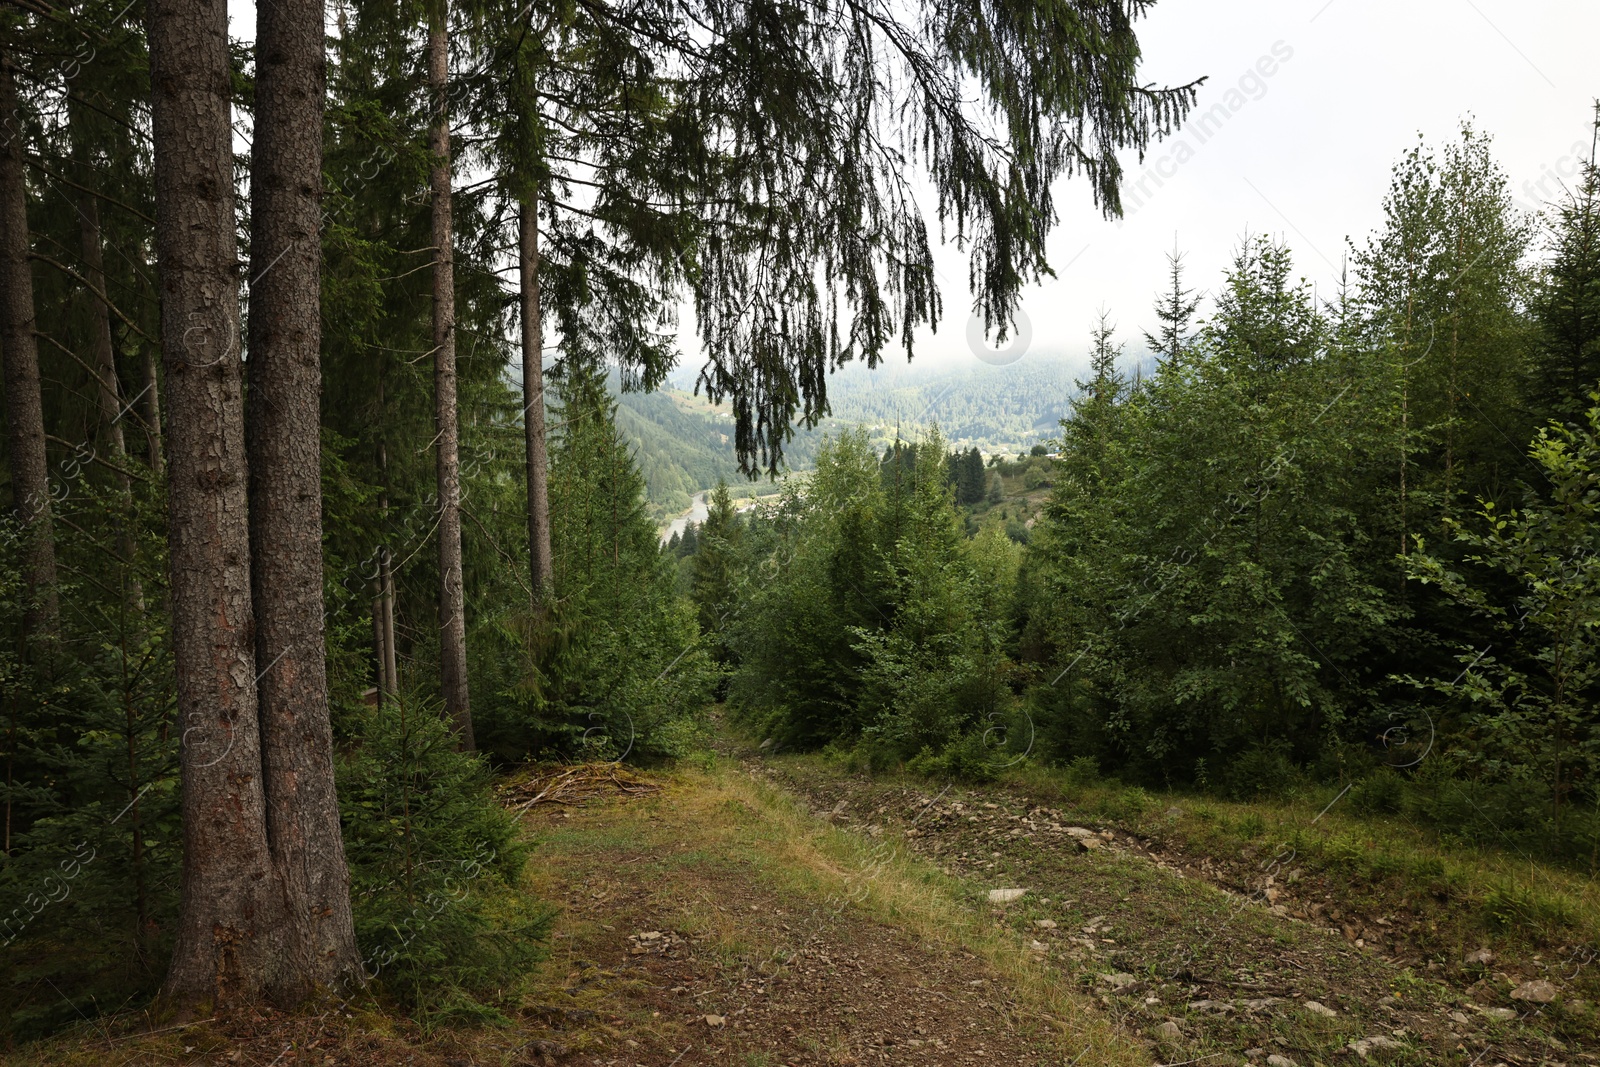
(442, 919)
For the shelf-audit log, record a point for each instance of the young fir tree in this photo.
(1175, 309)
(691, 541)
(1089, 427)
(714, 579)
(1564, 365)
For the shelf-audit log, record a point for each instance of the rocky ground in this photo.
(1248, 958)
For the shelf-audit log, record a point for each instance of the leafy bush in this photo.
(1524, 729)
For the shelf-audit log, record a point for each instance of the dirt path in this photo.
(696, 930)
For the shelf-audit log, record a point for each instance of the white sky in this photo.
(1304, 153)
(1307, 156)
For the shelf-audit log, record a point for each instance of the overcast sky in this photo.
(1305, 151)
(1318, 99)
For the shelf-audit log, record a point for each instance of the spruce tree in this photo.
(713, 584)
(235, 934)
(1175, 309)
(969, 481)
(284, 440)
(24, 407)
(1565, 363)
(447, 416)
(735, 171)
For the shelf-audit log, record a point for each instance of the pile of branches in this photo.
(574, 785)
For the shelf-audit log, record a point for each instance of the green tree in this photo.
(617, 668)
(1442, 284)
(1526, 707)
(819, 573)
(1202, 580)
(1175, 309)
(1565, 362)
(715, 578)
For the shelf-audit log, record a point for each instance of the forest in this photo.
(1348, 540)
(324, 520)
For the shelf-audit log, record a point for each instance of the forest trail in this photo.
(767, 913)
(776, 912)
(719, 923)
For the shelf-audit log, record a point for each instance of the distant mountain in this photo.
(684, 444)
(996, 409)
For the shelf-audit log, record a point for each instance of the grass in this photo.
(808, 858)
(1501, 892)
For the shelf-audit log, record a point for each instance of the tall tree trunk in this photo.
(108, 394)
(452, 596)
(533, 406)
(30, 475)
(390, 667)
(108, 391)
(151, 398)
(232, 942)
(284, 413)
(383, 601)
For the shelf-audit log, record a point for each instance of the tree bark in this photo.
(151, 397)
(284, 425)
(30, 474)
(233, 919)
(533, 407)
(108, 393)
(383, 601)
(390, 668)
(452, 596)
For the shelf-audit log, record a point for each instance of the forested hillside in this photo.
(686, 445)
(683, 446)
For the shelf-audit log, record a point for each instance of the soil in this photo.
(1223, 956)
(707, 964)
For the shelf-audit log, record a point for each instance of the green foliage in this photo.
(443, 917)
(1566, 304)
(966, 476)
(89, 872)
(613, 666)
(1442, 287)
(1525, 709)
(1204, 577)
(715, 576)
(880, 623)
(814, 575)
(1227, 587)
